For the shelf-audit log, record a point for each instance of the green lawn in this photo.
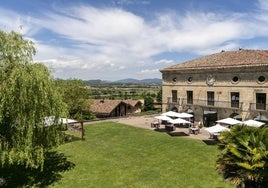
(116, 155)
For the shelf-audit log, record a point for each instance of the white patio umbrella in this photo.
(164, 118)
(216, 129)
(184, 115)
(253, 123)
(229, 121)
(261, 117)
(179, 121)
(171, 114)
(67, 121)
(49, 120)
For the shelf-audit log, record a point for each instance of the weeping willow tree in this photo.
(28, 94)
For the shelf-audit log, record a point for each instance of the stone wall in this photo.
(247, 82)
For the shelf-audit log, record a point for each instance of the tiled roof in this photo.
(225, 59)
(131, 102)
(104, 106)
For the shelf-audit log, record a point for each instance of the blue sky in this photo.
(117, 39)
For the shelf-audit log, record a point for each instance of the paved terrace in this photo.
(145, 122)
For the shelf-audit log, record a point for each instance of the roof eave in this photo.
(213, 68)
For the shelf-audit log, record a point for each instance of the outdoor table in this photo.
(155, 124)
(170, 127)
(193, 130)
(214, 135)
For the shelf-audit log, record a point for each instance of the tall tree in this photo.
(244, 156)
(148, 103)
(159, 96)
(76, 95)
(28, 94)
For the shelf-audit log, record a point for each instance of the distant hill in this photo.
(95, 82)
(152, 81)
(144, 81)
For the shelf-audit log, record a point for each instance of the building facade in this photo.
(225, 84)
(104, 108)
(108, 108)
(134, 106)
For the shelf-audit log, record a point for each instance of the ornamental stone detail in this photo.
(210, 80)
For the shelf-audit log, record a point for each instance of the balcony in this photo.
(205, 103)
(258, 106)
(174, 101)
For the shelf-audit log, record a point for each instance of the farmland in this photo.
(117, 90)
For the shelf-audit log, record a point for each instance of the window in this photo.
(189, 97)
(234, 99)
(261, 101)
(190, 79)
(210, 98)
(235, 79)
(261, 79)
(174, 96)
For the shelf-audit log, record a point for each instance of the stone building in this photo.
(108, 108)
(104, 108)
(225, 84)
(134, 106)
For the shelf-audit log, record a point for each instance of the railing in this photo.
(171, 100)
(209, 103)
(258, 106)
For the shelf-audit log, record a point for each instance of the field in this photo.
(123, 91)
(116, 155)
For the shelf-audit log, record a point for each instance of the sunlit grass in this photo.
(116, 155)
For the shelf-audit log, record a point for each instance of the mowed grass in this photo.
(117, 155)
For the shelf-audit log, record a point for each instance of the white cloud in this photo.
(115, 32)
(216, 49)
(96, 26)
(263, 4)
(164, 61)
(149, 71)
(105, 40)
(132, 2)
(10, 20)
